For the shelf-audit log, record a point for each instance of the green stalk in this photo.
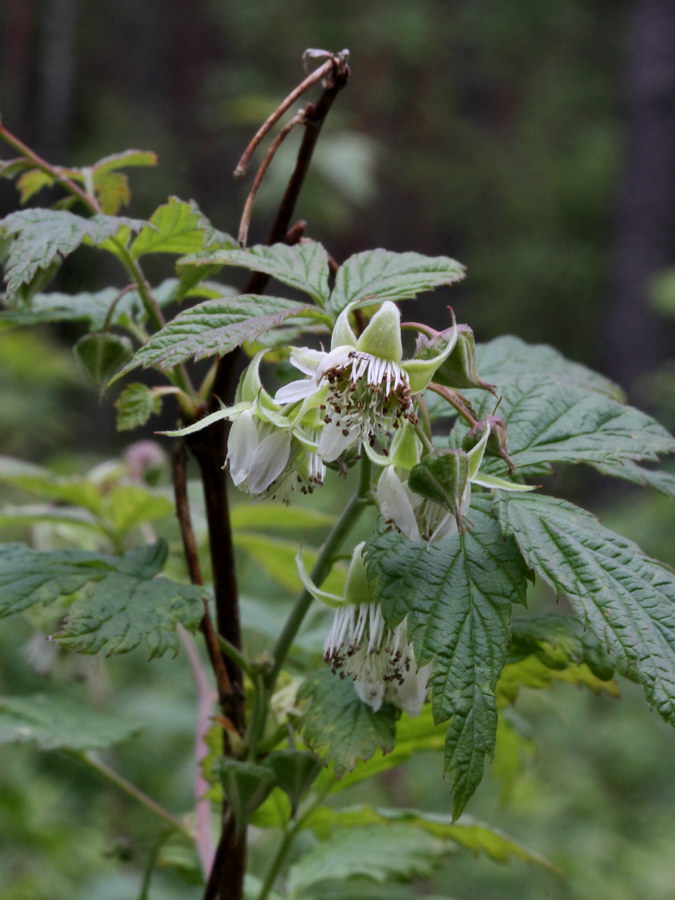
(121, 782)
(323, 565)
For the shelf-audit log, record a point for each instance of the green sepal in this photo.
(295, 772)
(357, 588)
(246, 785)
(250, 387)
(498, 441)
(459, 370)
(442, 479)
(343, 333)
(429, 355)
(382, 336)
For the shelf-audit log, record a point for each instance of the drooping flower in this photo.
(268, 453)
(364, 387)
(432, 502)
(361, 646)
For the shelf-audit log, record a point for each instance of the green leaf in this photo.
(245, 784)
(623, 596)
(59, 722)
(101, 355)
(113, 192)
(30, 514)
(276, 557)
(44, 235)
(303, 266)
(557, 641)
(124, 160)
(626, 470)
(126, 606)
(178, 227)
(135, 405)
(127, 506)
(31, 182)
(379, 853)
(269, 517)
(466, 832)
(456, 596)
(377, 275)
(294, 772)
(339, 725)
(412, 736)
(93, 308)
(213, 328)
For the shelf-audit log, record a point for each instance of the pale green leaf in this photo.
(379, 853)
(623, 596)
(31, 182)
(466, 832)
(214, 328)
(135, 405)
(43, 235)
(124, 160)
(30, 514)
(59, 722)
(339, 726)
(303, 266)
(94, 308)
(377, 275)
(456, 597)
(272, 517)
(127, 506)
(178, 226)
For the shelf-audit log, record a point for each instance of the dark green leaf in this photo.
(626, 598)
(303, 266)
(59, 722)
(294, 772)
(178, 227)
(377, 275)
(245, 784)
(457, 598)
(339, 725)
(626, 470)
(135, 405)
(43, 235)
(213, 328)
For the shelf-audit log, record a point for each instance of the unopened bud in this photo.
(459, 369)
(498, 441)
(442, 479)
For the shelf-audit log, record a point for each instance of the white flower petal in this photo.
(333, 442)
(410, 695)
(295, 390)
(241, 445)
(372, 694)
(306, 359)
(268, 461)
(395, 504)
(338, 356)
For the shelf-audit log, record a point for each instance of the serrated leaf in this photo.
(32, 181)
(303, 266)
(11, 167)
(377, 275)
(135, 405)
(90, 307)
(339, 726)
(43, 235)
(466, 832)
(127, 506)
(124, 611)
(532, 672)
(59, 722)
(127, 604)
(456, 597)
(112, 191)
(413, 735)
(627, 470)
(623, 596)
(124, 160)
(379, 853)
(213, 328)
(178, 227)
(294, 772)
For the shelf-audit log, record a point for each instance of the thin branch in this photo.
(285, 104)
(121, 782)
(453, 399)
(297, 119)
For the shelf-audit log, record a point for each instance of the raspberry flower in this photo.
(361, 646)
(363, 386)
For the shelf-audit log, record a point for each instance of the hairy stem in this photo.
(321, 569)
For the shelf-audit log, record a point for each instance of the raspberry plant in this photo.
(422, 648)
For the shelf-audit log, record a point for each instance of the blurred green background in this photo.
(535, 142)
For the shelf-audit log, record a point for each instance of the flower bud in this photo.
(443, 479)
(498, 441)
(459, 369)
